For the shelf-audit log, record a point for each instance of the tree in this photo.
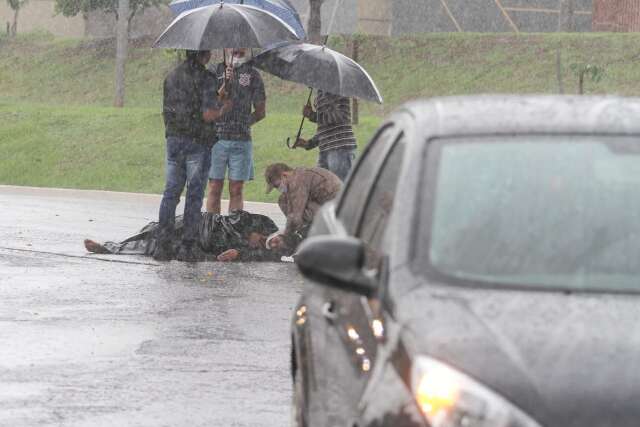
(15, 5)
(126, 9)
(584, 71)
(84, 7)
(315, 20)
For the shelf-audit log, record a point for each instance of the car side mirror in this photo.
(336, 262)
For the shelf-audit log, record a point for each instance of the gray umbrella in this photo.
(320, 68)
(225, 25)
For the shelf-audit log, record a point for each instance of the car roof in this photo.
(504, 114)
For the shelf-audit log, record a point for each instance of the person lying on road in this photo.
(239, 236)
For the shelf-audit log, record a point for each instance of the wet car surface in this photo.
(444, 304)
(121, 340)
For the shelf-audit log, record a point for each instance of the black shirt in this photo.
(247, 91)
(189, 90)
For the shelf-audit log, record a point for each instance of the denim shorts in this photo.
(237, 156)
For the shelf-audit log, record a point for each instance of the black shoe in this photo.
(164, 252)
(190, 252)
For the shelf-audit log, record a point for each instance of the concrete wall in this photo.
(398, 17)
(40, 15)
(416, 16)
(393, 17)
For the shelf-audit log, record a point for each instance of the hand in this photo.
(229, 255)
(277, 242)
(307, 111)
(222, 92)
(301, 142)
(227, 105)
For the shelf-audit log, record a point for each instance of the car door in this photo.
(349, 338)
(313, 314)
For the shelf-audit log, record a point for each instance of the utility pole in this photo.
(355, 55)
(122, 40)
(566, 22)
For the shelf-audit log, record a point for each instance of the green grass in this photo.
(57, 127)
(122, 150)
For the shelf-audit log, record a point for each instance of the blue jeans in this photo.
(186, 163)
(338, 161)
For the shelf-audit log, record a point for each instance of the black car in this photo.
(480, 269)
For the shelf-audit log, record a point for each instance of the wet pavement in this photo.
(90, 340)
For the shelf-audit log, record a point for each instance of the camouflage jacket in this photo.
(307, 189)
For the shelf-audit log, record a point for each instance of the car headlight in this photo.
(448, 398)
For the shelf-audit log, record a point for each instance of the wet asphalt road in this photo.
(124, 341)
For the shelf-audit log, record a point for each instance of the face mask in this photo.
(238, 61)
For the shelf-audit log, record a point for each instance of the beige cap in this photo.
(274, 171)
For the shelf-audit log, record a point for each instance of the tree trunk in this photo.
(566, 21)
(315, 21)
(14, 26)
(122, 40)
(355, 53)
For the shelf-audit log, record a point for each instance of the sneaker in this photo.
(190, 252)
(164, 252)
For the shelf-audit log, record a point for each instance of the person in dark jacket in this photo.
(190, 107)
(335, 138)
(239, 236)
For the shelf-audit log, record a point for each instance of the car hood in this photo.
(566, 359)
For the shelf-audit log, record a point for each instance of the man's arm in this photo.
(258, 98)
(213, 114)
(212, 106)
(297, 198)
(259, 113)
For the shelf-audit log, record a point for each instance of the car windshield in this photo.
(527, 211)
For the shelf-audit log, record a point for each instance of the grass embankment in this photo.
(57, 127)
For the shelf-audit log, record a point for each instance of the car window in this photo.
(379, 205)
(364, 174)
(534, 211)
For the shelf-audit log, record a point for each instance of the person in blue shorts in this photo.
(233, 153)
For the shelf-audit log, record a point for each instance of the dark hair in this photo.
(193, 55)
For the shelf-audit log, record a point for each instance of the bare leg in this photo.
(95, 247)
(236, 201)
(214, 195)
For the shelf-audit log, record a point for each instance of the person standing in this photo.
(190, 105)
(234, 151)
(334, 137)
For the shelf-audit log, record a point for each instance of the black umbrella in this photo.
(319, 67)
(225, 25)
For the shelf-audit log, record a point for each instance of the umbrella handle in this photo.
(225, 91)
(295, 144)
